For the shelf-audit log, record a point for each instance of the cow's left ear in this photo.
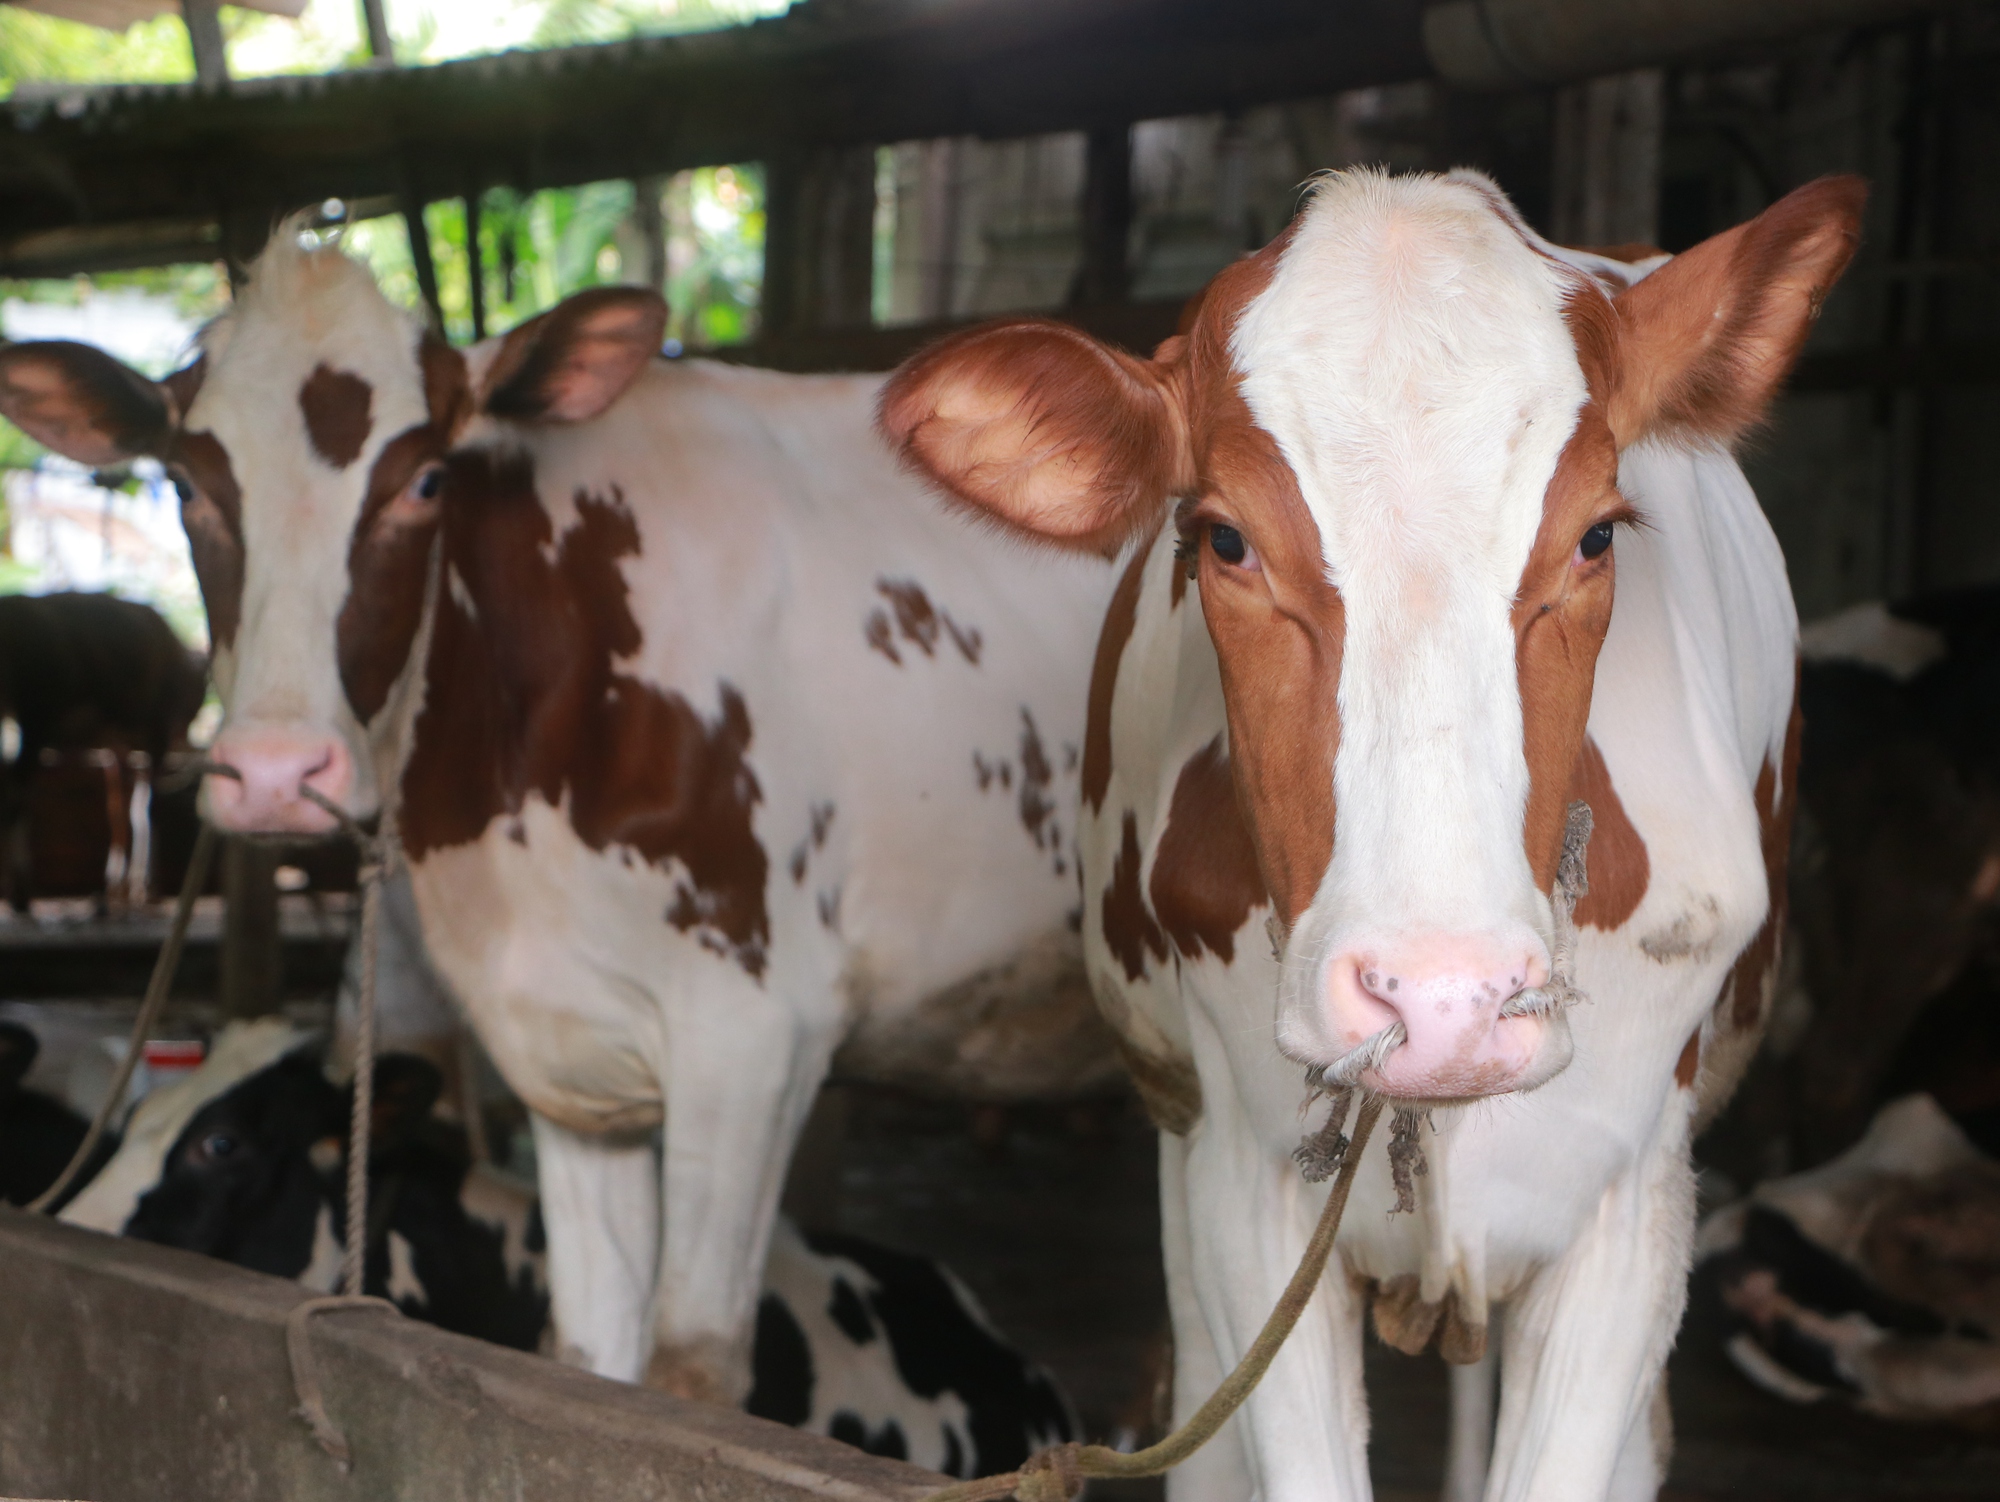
(572, 362)
(85, 404)
(1705, 342)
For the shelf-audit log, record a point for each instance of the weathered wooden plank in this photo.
(130, 1372)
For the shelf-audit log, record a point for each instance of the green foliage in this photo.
(537, 248)
(34, 46)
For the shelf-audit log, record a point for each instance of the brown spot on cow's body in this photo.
(819, 819)
(1689, 1063)
(1617, 863)
(918, 622)
(337, 406)
(1036, 775)
(1776, 795)
(1205, 880)
(1129, 929)
(1119, 618)
(525, 699)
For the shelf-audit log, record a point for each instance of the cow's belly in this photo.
(570, 971)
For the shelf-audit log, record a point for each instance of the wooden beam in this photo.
(895, 70)
(253, 963)
(420, 254)
(203, 19)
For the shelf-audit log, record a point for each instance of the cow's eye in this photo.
(1594, 542)
(428, 483)
(1228, 544)
(217, 1145)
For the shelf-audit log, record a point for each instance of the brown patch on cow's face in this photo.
(1278, 629)
(522, 696)
(1617, 862)
(212, 515)
(1205, 877)
(388, 556)
(336, 405)
(1741, 1006)
(1118, 621)
(1689, 1063)
(1129, 929)
(1561, 613)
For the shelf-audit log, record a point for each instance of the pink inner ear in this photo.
(596, 370)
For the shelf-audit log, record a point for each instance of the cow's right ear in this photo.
(1043, 429)
(82, 403)
(571, 363)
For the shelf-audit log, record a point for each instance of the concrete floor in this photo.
(1050, 1216)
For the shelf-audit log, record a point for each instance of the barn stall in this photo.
(925, 167)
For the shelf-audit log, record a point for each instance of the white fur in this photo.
(1572, 1205)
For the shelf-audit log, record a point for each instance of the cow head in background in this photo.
(1389, 443)
(308, 442)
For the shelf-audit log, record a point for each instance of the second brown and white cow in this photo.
(720, 747)
(1363, 658)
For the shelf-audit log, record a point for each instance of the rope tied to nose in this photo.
(1057, 1474)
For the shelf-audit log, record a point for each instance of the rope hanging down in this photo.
(1057, 1474)
(142, 1025)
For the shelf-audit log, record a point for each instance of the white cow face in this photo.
(309, 442)
(1390, 445)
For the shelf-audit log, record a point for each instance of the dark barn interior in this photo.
(930, 164)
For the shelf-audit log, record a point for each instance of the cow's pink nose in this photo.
(271, 762)
(1449, 993)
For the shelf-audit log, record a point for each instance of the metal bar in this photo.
(375, 21)
(420, 253)
(204, 28)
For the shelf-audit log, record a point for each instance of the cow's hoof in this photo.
(691, 1374)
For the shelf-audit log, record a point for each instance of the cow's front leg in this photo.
(600, 1204)
(741, 1074)
(1587, 1342)
(1304, 1431)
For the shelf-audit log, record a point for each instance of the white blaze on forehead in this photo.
(239, 1051)
(1411, 359)
(300, 310)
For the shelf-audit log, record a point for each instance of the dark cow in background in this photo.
(1895, 881)
(38, 1134)
(246, 1162)
(1873, 1279)
(85, 672)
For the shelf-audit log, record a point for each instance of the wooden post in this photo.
(475, 267)
(784, 236)
(204, 28)
(375, 21)
(252, 946)
(1105, 273)
(1607, 160)
(420, 253)
(652, 225)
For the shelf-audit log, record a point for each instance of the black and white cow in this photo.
(246, 1161)
(38, 1134)
(1873, 1279)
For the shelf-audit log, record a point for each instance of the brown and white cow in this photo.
(720, 746)
(1363, 657)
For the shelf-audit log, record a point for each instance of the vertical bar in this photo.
(475, 267)
(784, 234)
(646, 194)
(375, 21)
(1105, 275)
(204, 29)
(252, 952)
(420, 253)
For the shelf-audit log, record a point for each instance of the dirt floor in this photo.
(1050, 1216)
